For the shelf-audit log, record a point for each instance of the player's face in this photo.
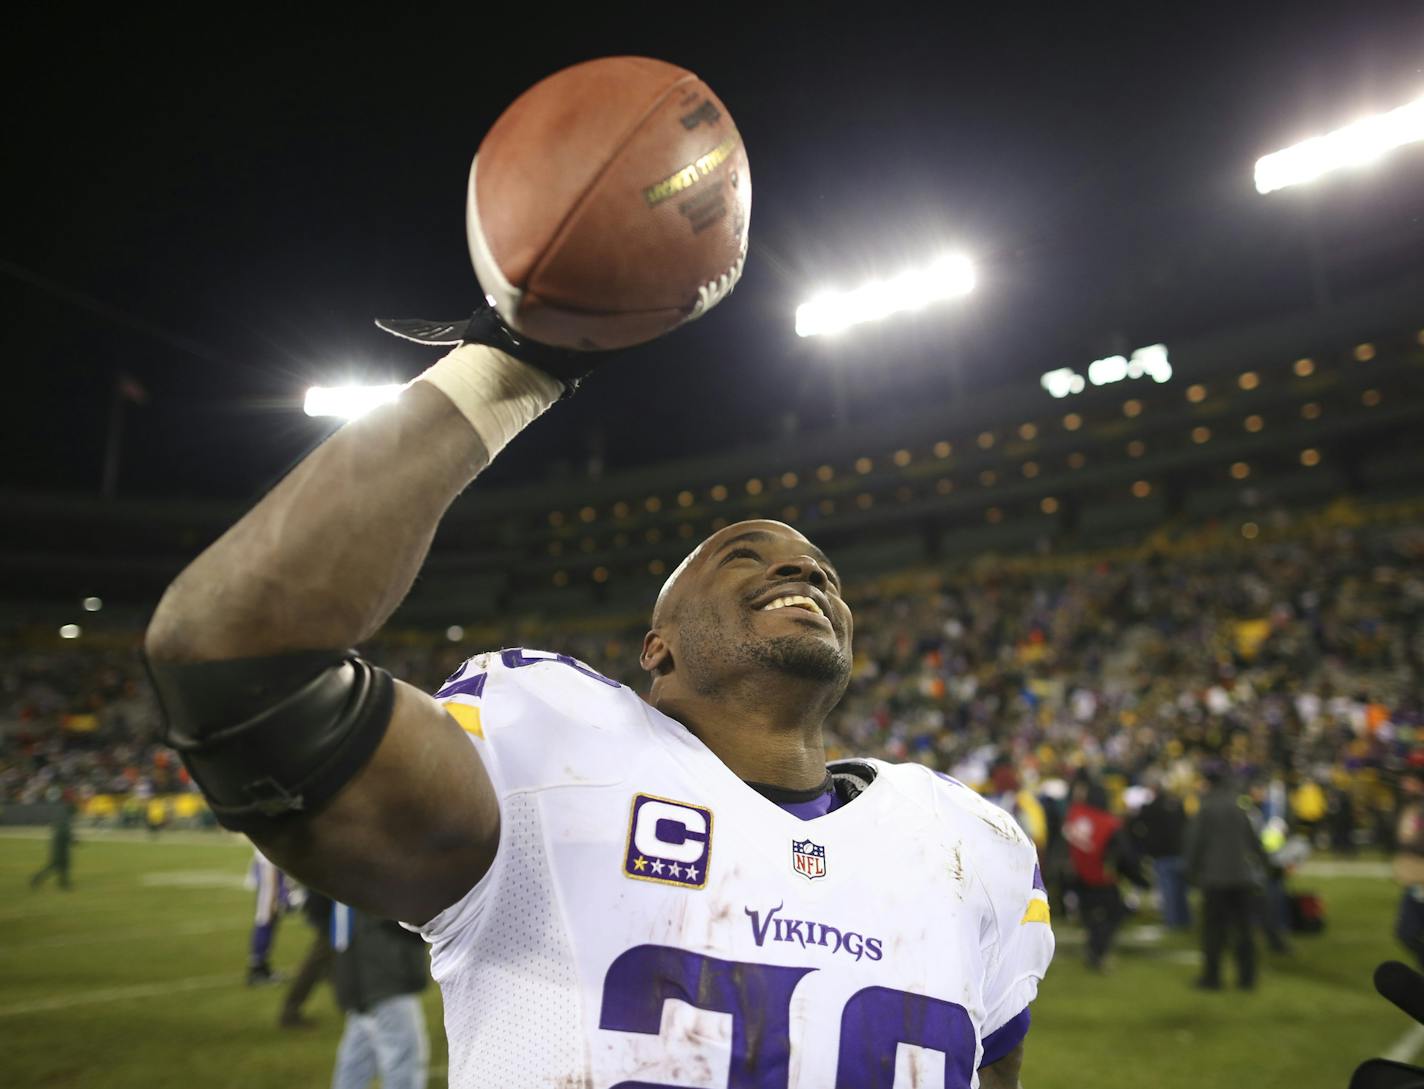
(761, 595)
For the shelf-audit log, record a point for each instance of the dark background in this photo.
(219, 203)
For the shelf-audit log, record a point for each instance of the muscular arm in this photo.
(321, 562)
(330, 552)
(1003, 1074)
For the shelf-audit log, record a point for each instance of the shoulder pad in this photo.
(546, 718)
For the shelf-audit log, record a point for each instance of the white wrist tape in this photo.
(498, 394)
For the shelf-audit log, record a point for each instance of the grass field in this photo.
(134, 981)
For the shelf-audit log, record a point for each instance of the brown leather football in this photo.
(609, 204)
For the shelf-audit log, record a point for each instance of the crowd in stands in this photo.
(78, 722)
(1299, 663)
(1295, 658)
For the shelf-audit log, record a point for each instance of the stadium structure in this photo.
(1288, 414)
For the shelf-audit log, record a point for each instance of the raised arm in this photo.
(318, 565)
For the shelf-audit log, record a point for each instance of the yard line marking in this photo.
(194, 879)
(1407, 1046)
(1346, 867)
(119, 994)
(174, 930)
(83, 834)
(199, 880)
(1142, 935)
(45, 909)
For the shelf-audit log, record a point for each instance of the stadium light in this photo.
(348, 402)
(1354, 145)
(1149, 362)
(948, 278)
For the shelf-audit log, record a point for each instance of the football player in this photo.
(618, 892)
(273, 901)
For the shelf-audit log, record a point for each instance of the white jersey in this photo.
(652, 921)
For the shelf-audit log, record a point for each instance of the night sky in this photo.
(221, 212)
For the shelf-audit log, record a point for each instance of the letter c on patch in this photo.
(688, 848)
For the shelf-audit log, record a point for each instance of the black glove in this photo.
(485, 326)
(1405, 988)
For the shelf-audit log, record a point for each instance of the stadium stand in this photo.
(1237, 576)
(1293, 652)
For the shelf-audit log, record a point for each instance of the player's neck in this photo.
(775, 742)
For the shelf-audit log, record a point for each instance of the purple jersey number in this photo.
(876, 1019)
(758, 996)
(515, 658)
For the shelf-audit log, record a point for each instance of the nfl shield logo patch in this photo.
(808, 859)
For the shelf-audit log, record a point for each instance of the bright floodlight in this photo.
(1354, 145)
(93, 604)
(69, 631)
(948, 278)
(348, 402)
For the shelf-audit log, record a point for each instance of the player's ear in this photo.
(657, 655)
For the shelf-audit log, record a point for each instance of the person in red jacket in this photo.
(1098, 850)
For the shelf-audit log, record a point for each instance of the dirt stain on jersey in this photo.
(722, 910)
(956, 868)
(676, 923)
(1001, 829)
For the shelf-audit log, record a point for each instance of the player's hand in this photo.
(485, 326)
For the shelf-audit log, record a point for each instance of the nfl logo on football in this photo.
(808, 859)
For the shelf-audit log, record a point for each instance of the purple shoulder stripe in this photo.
(470, 686)
(1003, 1040)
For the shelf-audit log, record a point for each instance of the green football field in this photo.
(133, 980)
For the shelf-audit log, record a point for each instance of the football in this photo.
(609, 204)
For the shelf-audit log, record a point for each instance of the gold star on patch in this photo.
(640, 863)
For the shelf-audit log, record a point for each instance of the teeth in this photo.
(794, 599)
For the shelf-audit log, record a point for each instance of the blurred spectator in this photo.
(1272, 907)
(1006, 791)
(60, 841)
(155, 815)
(1100, 853)
(316, 965)
(1409, 863)
(1310, 807)
(272, 889)
(1340, 814)
(1226, 861)
(379, 972)
(1161, 827)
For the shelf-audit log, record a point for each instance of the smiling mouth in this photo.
(793, 601)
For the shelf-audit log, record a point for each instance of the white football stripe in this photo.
(503, 295)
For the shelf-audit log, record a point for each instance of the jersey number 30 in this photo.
(758, 996)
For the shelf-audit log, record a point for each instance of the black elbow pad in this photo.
(269, 738)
